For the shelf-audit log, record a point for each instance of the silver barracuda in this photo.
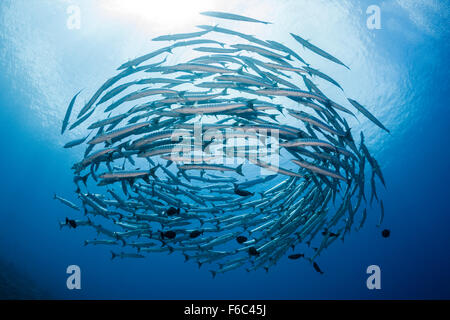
(231, 16)
(226, 152)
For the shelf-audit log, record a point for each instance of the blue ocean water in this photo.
(397, 71)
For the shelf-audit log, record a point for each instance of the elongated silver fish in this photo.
(180, 36)
(167, 154)
(117, 133)
(231, 16)
(135, 62)
(68, 113)
(75, 142)
(370, 116)
(317, 50)
(66, 202)
(319, 170)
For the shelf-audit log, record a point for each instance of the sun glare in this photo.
(166, 14)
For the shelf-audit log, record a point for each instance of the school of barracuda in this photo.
(149, 198)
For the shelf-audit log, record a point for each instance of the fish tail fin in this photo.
(163, 243)
(239, 169)
(85, 243)
(348, 135)
(54, 196)
(124, 242)
(171, 250)
(113, 255)
(213, 273)
(186, 257)
(224, 92)
(250, 104)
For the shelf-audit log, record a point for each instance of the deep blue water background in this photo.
(400, 71)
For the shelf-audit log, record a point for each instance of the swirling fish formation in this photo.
(155, 141)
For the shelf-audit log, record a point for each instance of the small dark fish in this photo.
(172, 211)
(168, 234)
(241, 239)
(241, 192)
(386, 233)
(71, 223)
(331, 234)
(253, 252)
(195, 234)
(316, 267)
(296, 256)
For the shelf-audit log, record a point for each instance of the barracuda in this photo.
(117, 133)
(182, 170)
